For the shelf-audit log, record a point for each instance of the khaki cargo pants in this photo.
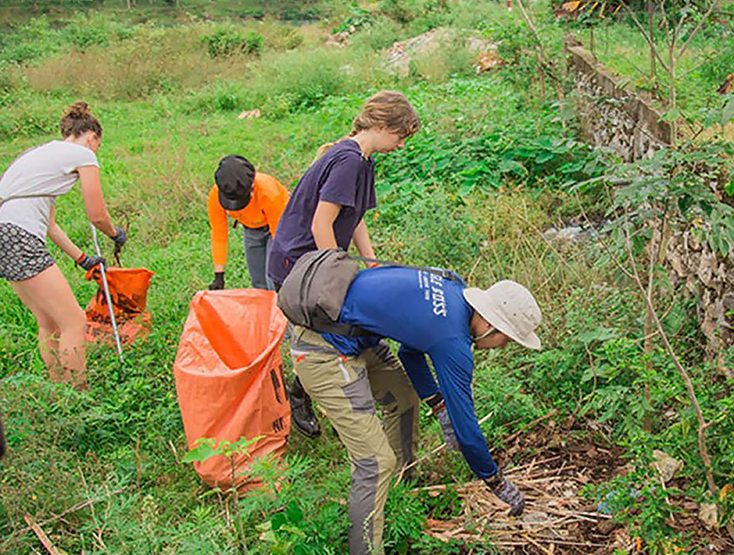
(346, 388)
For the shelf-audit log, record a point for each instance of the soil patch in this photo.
(558, 519)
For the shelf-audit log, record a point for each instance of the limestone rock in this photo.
(708, 514)
(666, 465)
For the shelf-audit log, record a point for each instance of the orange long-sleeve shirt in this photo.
(266, 205)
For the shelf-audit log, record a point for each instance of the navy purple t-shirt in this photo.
(341, 176)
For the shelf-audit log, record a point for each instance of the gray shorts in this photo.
(22, 254)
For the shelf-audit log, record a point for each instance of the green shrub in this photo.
(85, 31)
(28, 117)
(30, 41)
(227, 42)
(402, 11)
(378, 35)
(357, 19)
(302, 80)
(221, 96)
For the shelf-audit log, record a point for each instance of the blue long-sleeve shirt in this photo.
(427, 315)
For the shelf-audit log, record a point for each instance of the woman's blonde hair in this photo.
(388, 109)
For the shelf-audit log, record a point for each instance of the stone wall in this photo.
(611, 114)
(614, 116)
(710, 277)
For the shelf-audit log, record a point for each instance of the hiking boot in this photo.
(302, 415)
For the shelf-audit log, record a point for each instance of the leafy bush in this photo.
(298, 81)
(402, 11)
(381, 33)
(28, 117)
(227, 42)
(357, 19)
(85, 31)
(30, 41)
(489, 154)
(637, 501)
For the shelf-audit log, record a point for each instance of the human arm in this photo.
(338, 191)
(274, 207)
(420, 376)
(94, 201)
(416, 366)
(61, 240)
(219, 230)
(219, 237)
(322, 226)
(454, 362)
(362, 241)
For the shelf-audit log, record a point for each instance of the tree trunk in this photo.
(651, 25)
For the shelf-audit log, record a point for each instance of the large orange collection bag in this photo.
(229, 378)
(129, 295)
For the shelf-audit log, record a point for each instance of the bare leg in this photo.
(61, 324)
(48, 345)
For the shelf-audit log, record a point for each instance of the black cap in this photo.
(234, 178)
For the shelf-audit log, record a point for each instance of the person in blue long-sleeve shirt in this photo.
(431, 315)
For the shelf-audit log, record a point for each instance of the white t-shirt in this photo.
(43, 173)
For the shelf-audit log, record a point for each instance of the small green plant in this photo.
(358, 18)
(282, 531)
(207, 448)
(638, 501)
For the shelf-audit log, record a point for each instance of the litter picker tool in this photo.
(106, 288)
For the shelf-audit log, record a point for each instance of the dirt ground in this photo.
(553, 464)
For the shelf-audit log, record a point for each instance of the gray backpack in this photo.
(313, 293)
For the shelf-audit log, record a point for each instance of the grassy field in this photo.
(473, 191)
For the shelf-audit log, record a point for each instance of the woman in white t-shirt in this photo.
(28, 191)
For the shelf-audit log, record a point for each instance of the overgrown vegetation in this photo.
(496, 163)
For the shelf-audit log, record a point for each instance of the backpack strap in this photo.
(3, 200)
(339, 328)
(446, 274)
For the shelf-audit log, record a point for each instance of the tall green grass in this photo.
(472, 191)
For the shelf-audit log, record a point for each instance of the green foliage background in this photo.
(472, 192)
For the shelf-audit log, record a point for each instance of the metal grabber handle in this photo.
(106, 288)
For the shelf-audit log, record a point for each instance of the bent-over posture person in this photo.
(428, 315)
(28, 192)
(253, 199)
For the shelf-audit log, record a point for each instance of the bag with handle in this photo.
(229, 381)
(313, 293)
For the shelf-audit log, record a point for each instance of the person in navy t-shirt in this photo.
(327, 207)
(431, 315)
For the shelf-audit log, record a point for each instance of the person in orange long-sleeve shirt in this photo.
(256, 201)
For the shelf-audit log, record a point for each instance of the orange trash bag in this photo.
(229, 379)
(129, 294)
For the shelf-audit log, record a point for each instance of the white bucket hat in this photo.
(510, 308)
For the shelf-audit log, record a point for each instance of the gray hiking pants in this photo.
(347, 388)
(257, 252)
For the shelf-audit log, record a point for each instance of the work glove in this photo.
(438, 407)
(449, 436)
(120, 238)
(218, 282)
(89, 262)
(508, 492)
